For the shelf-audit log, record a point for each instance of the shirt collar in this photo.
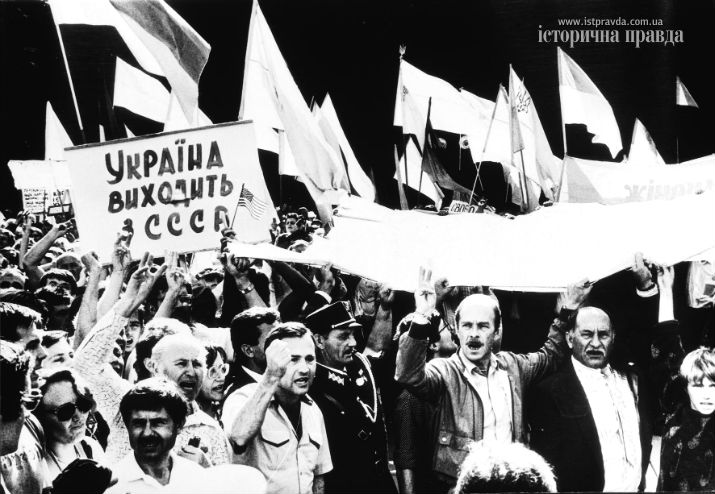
(583, 370)
(131, 471)
(255, 375)
(471, 368)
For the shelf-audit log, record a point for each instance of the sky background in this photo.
(350, 49)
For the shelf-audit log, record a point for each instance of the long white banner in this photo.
(543, 251)
(615, 183)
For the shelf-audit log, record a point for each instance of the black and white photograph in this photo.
(381, 247)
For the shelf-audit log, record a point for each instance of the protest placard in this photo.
(175, 191)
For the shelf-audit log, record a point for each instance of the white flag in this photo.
(334, 134)
(458, 112)
(643, 151)
(162, 42)
(176, 119)
(56, 138)
(682, 95)
(139, 93)
(541, 167)
(583, 103)
(321, 170)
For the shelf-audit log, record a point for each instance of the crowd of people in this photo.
(126, 375)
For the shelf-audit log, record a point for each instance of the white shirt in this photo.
(288, 462)
(617, 423)
(495, 392)
(255, 375)
(186, 476)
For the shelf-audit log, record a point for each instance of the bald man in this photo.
(588, 420)
(478, 394)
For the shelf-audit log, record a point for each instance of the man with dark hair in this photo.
(295, 230)
(18, 324)
(58, 349)
(273, 425)
(22, 467)
(154, 411)
(58, 288)
(348, 395)
(249, 330)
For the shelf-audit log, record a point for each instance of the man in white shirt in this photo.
(587, 419)
(154, 412)
(273, 425)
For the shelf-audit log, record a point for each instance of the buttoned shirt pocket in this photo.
(451, 451)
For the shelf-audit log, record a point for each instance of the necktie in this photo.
(619, 406)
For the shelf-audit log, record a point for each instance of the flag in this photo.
(497, 144)
(56, 138)
(267, 75)
(413, 176)
(531, 152)
(643, 150)
(583, 103)
(432, 166)
(335, 136)
(682, 95)
(160, 40)
(256, 207)
(450, 110)
(140, 93)
(175, 118)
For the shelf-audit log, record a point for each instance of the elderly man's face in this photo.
(591, 339)
(477, 329)
(185, 365)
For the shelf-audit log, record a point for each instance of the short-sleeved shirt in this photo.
(288, 462)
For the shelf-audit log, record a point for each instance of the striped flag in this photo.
(682, 95)
(254, 205)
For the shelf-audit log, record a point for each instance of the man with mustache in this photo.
(348, 395)
(588, 419)
(478, 394)
(154, 412)
(273, 425)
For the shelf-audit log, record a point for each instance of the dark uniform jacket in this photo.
(354, 421)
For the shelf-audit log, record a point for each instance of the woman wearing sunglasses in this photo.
(211, 394)
(63, 412)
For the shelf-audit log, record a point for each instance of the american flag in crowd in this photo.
(255, 206)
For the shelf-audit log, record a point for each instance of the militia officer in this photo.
(346, 392)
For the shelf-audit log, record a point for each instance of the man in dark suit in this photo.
(588, 419)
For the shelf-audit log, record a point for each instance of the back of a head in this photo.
(504, 467)
(14, 367)
(244, 327)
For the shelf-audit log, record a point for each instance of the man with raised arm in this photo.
(273, 425)
(478, 393)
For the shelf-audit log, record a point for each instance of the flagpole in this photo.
(233, 220)
(398, 169)
(525, 190)
(563, 128)
(69, 79)
(486, 142)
